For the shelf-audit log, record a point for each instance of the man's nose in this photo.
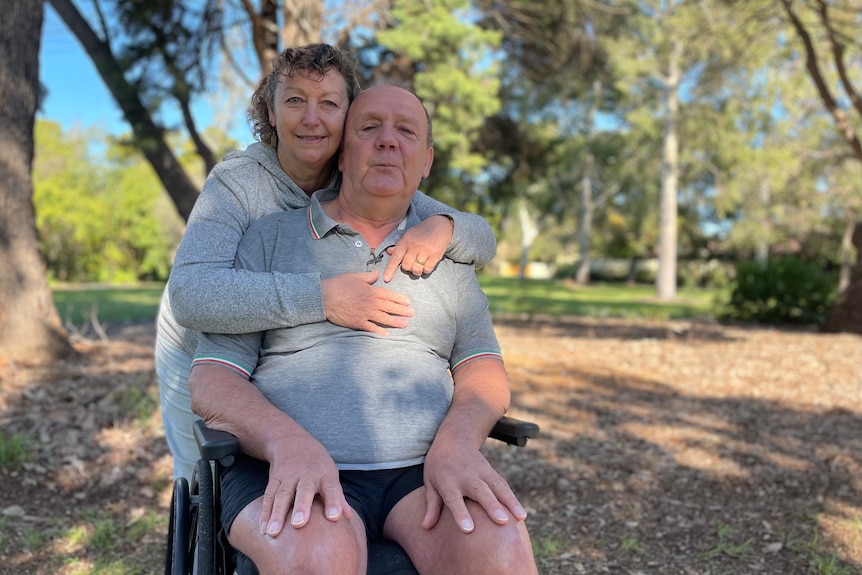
(386, 137)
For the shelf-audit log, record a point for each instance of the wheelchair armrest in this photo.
(514, 431)
(215, 445)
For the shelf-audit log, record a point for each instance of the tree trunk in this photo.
(588, 209)
(846, 314)
(303, 21)
(529, 233)
(846, 257)
(264, 32)
(30, 330)
(761, 248)
(666, 278)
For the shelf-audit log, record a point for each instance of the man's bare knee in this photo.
(513, 552)
(491, 549)
(321, 547)
(319, 556)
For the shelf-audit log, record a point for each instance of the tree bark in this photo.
(149, 138)
(264, 32)
(303, 21)
(30, 329)
(846, 314)
(585, 230)
(846, 257)
(529, 233)
(665, 282)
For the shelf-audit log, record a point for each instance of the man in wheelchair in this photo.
(350, 436)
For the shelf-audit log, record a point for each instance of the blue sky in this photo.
(77, 97)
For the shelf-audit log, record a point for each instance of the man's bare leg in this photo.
(491, 549)
(321, 546)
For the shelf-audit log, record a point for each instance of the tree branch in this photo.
(843, 124)
(181, 92)
(149, 138)
(264, 32)
(838, 50)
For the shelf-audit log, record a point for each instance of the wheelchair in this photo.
(196, 545)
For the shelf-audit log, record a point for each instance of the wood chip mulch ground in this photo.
(666, 448)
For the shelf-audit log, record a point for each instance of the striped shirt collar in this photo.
(320, 224)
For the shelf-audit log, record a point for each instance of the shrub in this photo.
(786, 290)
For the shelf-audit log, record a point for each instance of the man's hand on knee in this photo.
(295, 480)
(453, 474)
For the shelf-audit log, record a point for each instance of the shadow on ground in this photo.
(666, 449)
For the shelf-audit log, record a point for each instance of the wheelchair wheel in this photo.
(205, 521)
(179, 528)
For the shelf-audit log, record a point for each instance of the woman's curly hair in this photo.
(313, 59)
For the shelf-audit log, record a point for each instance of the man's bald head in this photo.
(390, 90)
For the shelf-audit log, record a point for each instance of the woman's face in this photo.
(308, 113)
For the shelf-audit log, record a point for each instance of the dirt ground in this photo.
(666, 448)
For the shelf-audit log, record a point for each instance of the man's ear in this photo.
(429, 159)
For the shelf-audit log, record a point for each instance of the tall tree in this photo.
(447, 61)
(554, 82)
(675, 53)
(827, 31)
(773, 168)
(30, 328)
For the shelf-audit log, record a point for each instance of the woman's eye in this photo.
(294, 100)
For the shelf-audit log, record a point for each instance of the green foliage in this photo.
(101, 222)
(786, 290)
(456, 76)
(106, 534)
(547, 546)
(729, 545)
(14, 451)
(139, 401)
(104, 543)
(630, 544)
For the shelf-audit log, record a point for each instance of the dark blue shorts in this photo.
(372, 494)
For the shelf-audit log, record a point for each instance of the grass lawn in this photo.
(111, 303)
(128, 303)
(559, 298)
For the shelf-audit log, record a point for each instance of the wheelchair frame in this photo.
(195, 545)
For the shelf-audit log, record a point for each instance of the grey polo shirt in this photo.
(375, 402)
